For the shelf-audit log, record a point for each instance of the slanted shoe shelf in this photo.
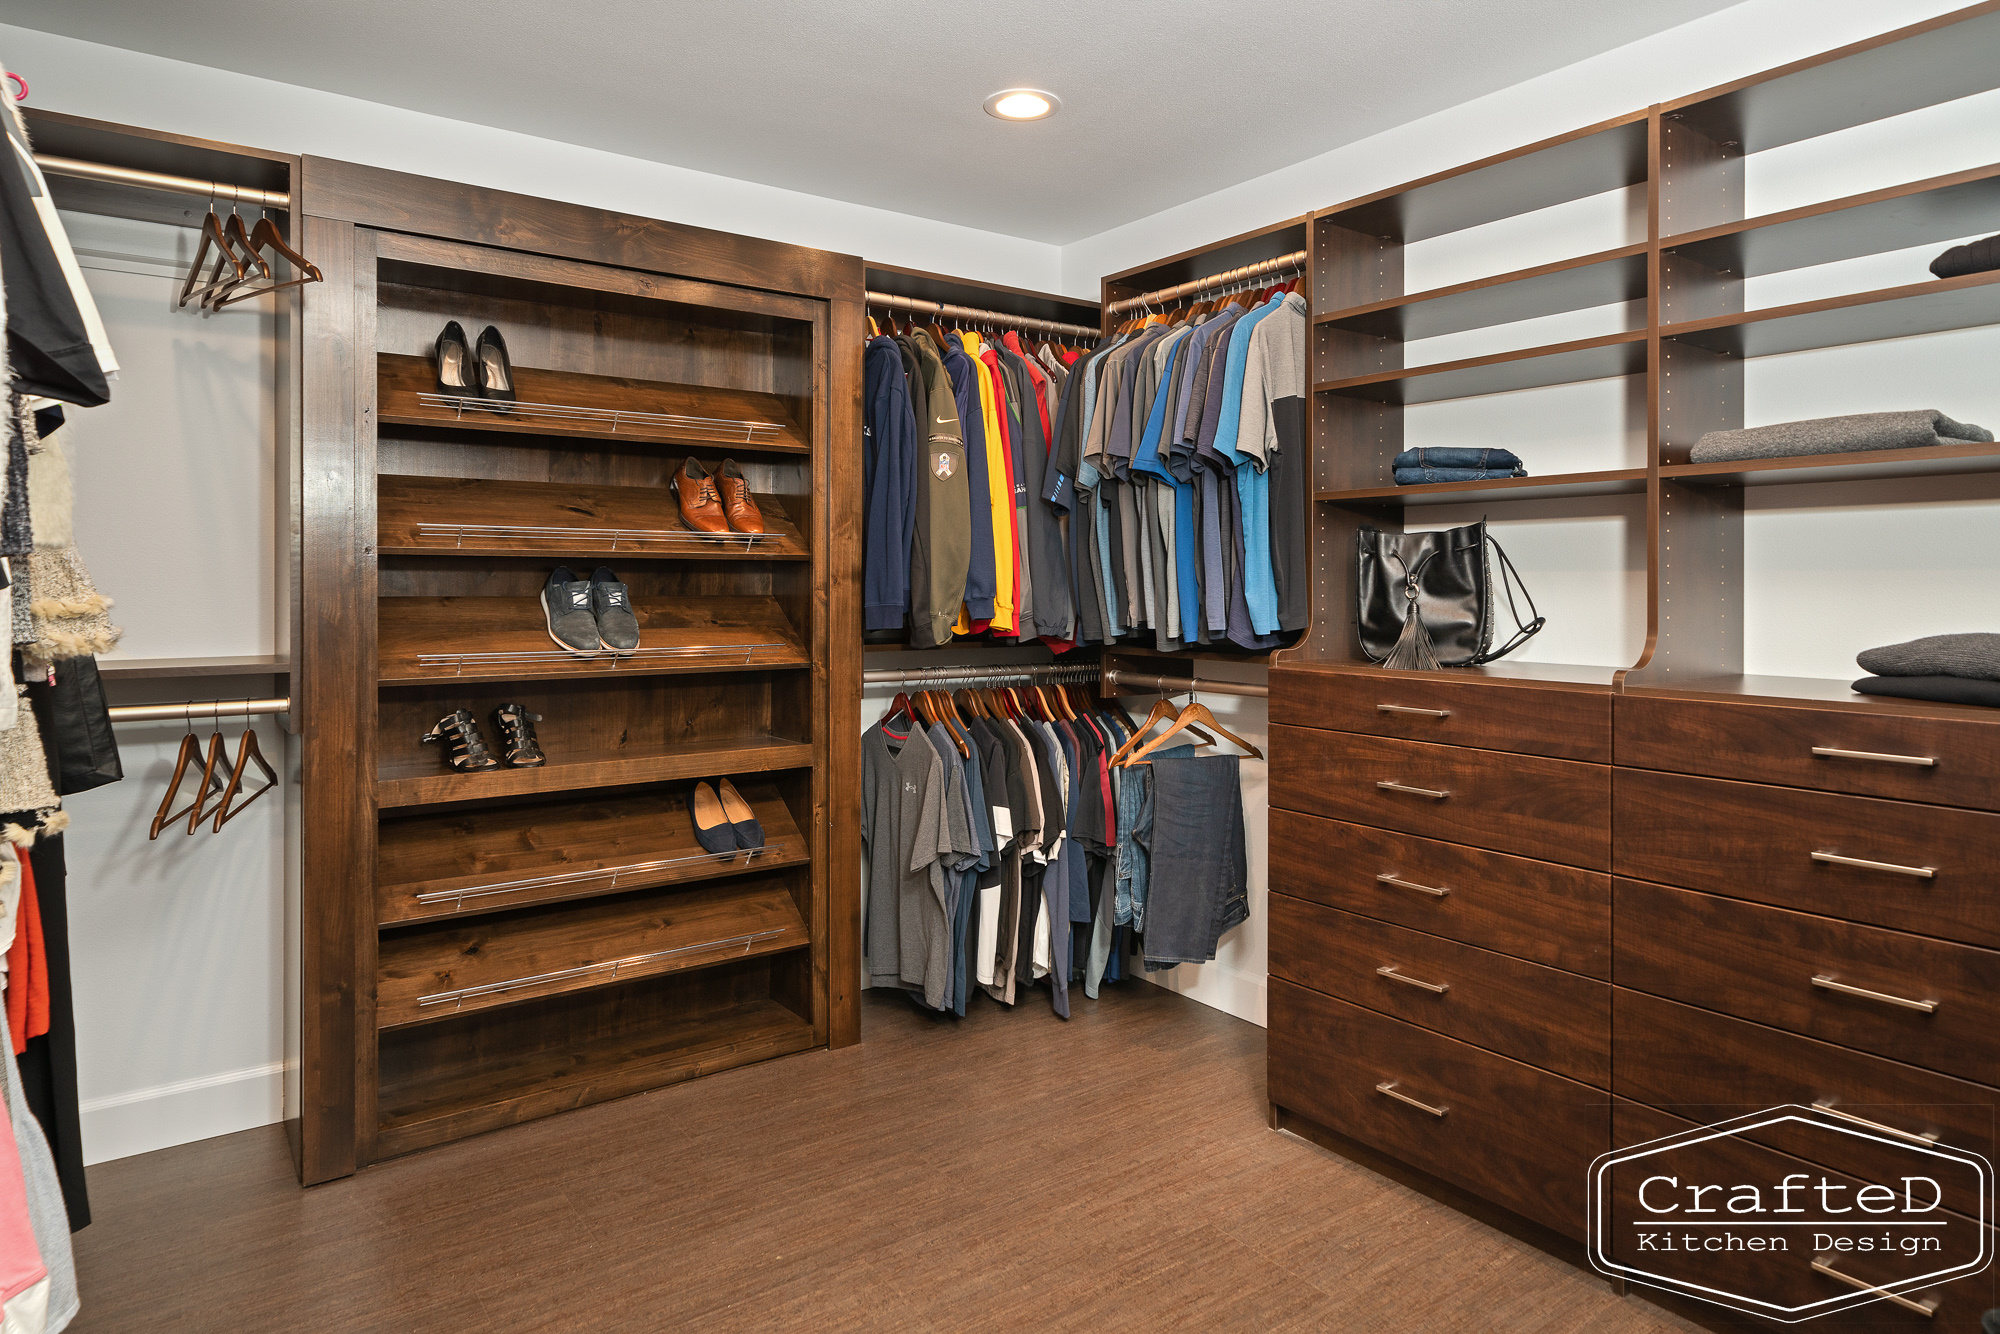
(495, 858)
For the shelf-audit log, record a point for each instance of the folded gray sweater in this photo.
(1838, 435)
(1975, 655)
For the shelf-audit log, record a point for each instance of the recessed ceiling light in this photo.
(1022, 104)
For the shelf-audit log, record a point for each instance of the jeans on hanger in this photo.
(1200, 882)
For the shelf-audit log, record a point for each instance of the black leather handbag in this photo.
(1425, 600)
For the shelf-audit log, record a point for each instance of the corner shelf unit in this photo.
(482, 948)
(1687, 157)
(972, 294)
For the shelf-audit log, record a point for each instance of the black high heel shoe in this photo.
(496, 372)
(457, 377)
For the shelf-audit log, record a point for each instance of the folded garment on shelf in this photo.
(1972, 257)
(1418, 476)
(1938, 689)
(1839, 435)
(1461, 456)
(1975, 655)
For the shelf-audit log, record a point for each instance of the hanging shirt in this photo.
(888, 486)
(972, 424)
(1252, 492)
(1273, 433)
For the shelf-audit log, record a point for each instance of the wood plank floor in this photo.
(1010, 1172)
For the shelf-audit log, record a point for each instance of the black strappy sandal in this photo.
(518, 745)
(465, 749)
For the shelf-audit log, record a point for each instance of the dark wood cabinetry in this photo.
(1681, 890)
(479, 949)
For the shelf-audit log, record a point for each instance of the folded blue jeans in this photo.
(1457, 456)
(1418, 476)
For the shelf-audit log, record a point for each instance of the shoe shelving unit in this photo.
(480, 949)
(1655, 815)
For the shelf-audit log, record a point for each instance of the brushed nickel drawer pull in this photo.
(1413, 791)
(1926, 872)
(1390, 878)
(1926, 1308)
(1390, 1089)
(1826, 1105)
(1923, 761)
(1419, 713)
(1388, 970)
(1822, 980)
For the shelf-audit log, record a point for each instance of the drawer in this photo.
(1507, 1132)
(1789, 1278)
(1759, 963)
(1774, 743)
(1543, 1016)
(1936, 871)
(1554, 915)
(1553, 810)
(1709, 1067)
(1570, 723)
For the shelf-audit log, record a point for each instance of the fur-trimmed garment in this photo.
(71, 618)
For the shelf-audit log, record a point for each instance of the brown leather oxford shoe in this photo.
(737, 505)
(701, 505)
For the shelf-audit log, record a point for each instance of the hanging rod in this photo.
(1073, 673)
(918, 306)
(154, 180)
(194, 709)
(1180, 685)
(1169, 295)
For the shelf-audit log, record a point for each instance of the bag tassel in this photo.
(1414, 651)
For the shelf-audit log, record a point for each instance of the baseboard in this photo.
(1215, 985)
(182, 1112)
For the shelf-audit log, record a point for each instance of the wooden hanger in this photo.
(1162, 709)
(212, 238)
(190, 754)
(212, 770)
(1194, 712)
(248, 752)
(898, 706)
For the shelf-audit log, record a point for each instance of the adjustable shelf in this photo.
(1920, 212)
(432, 973)
(490, 859)
(1862, 466)
(1862, 317)
(439, 1083)
(1558, 486)
(419, 516)
(478, 638)
(1548, 289)
(423, 780)
(594, 407)
(1529, 368)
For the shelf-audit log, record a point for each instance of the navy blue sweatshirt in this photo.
(888, 486)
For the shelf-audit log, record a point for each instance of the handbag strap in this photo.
(1510, 579)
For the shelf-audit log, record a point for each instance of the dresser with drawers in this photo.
(1515, 923)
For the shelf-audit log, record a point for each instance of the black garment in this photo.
(1942, 689)
(46, 338)
(1972, 257)
(1290, 563)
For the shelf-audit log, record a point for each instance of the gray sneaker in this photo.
(617, 627)
(566, 604)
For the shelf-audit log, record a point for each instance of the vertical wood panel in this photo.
(841, 553)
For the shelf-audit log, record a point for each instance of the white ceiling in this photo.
(879, 103)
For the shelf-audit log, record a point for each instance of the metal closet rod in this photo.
(155, 180)
(1167, 295)
(1074, 673)
(919, 306)
(1182, 685)
(198, 709)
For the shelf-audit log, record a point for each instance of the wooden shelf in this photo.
(1525, 294)
(1939, 60)
(434, 973)
(1530, 368)
(403, 381)
(453, 864)
(1934, 210)
(1863, 466)
(1619, 482)
(426, 516)
(1812, 690)
(1590, 161)
(132, 669)
(747, 633)
(433, 1103)
(1861, 317)
(424, 780)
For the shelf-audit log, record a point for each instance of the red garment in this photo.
(27, 967)
(1037, 376)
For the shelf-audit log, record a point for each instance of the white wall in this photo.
(132, 88)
